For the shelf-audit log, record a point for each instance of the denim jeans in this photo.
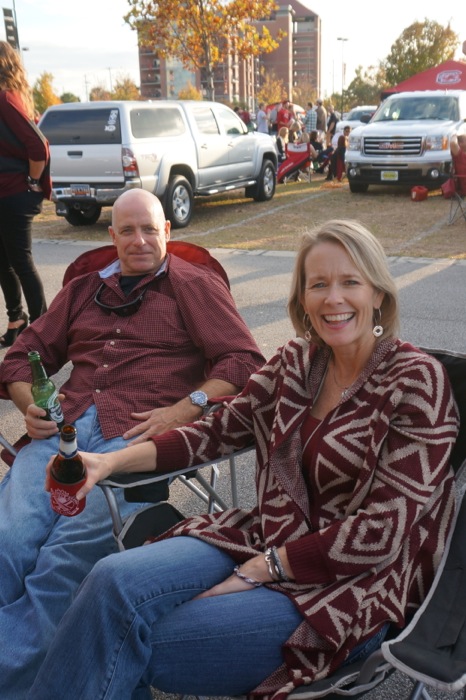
(134, 624)
(44, 556)
(17, 269)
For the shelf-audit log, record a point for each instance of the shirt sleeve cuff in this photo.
(306, 561)
(172, 452)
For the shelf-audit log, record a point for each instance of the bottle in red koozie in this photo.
(67, 475)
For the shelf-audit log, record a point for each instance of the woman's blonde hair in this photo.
(369, 257)
(13, 76)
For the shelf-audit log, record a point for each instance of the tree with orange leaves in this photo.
(202, 33)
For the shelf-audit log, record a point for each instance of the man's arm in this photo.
(454, 145)
(159, 420)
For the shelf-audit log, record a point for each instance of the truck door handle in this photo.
(75, 154)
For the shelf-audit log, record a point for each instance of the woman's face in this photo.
(339, 301)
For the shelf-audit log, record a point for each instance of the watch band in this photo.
(33, 181)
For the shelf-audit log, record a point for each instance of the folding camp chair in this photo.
(455, 190)
(432, 648)
(158, 490)
(298, 156)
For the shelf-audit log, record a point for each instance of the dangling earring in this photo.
(307, 332)
(378, 329)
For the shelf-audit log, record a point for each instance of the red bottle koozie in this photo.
(63, 497)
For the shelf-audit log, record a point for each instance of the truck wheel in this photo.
(265, 188)
(179, 202)
(358, 187)
(83, 217)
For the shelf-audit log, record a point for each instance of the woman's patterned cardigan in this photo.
(366, 542)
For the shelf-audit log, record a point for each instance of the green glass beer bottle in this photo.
(43, 390)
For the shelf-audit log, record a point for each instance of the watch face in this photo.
(199, 398)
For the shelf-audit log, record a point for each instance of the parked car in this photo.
(407, 140)
(358, 116)
(175, 149)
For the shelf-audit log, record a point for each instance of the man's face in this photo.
(139, 232)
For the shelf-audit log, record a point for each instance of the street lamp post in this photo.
(342, 39)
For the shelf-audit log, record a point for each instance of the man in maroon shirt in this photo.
(140, 335)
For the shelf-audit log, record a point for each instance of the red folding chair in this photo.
(298, 157)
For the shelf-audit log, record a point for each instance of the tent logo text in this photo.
(448, 77)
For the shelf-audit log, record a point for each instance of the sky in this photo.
(84, 43)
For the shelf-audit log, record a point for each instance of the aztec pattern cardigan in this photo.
(365, 544)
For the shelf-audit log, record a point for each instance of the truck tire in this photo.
(358, 187)
(265, 188)
(179, 202)
(83, 217)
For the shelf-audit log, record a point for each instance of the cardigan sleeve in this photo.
(412, 443)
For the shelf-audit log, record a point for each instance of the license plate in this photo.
(389, 175)
(80, 190)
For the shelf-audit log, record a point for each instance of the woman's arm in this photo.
(138, 458)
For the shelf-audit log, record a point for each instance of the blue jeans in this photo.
(44, 556)
(134, 624)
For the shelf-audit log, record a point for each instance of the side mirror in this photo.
(365, 118)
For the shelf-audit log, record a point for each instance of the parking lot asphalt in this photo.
(432, 302)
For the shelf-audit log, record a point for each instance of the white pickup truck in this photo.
(175, 149)
(407, 141)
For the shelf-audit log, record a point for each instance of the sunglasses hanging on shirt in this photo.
(127, 309)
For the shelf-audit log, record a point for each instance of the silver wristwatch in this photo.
(199, 398)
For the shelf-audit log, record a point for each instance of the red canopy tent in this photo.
(450, 75)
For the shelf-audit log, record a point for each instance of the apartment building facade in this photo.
(297, 61)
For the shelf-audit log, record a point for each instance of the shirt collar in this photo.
(115, 268)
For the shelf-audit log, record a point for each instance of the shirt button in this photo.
(97, 391)
(112, 342)
(105, 366)
(118, 330)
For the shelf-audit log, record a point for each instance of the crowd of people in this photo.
(318, 127)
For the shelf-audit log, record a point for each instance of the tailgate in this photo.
(89, 164)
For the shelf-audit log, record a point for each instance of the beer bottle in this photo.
(67, 475)
(43, 390)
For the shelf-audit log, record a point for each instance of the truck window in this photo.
(205, 120)
(232, 124)
(156, 123)
(82, 126)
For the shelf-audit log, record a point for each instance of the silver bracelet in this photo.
(252, 581)
(278, 564)
(272, 569)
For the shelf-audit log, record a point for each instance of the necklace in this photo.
(344, 389)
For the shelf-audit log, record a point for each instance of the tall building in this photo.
(296, 62)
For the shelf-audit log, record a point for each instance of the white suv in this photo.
(407, 141)
(175, 149)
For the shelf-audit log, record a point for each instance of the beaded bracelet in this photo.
(251, 581)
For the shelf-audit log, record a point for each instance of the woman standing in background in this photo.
(24, 182)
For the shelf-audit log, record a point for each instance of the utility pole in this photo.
(342, 39)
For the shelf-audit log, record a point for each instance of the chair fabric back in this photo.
(98, 258)
(455, 364)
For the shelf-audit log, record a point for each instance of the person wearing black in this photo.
(24, 182)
